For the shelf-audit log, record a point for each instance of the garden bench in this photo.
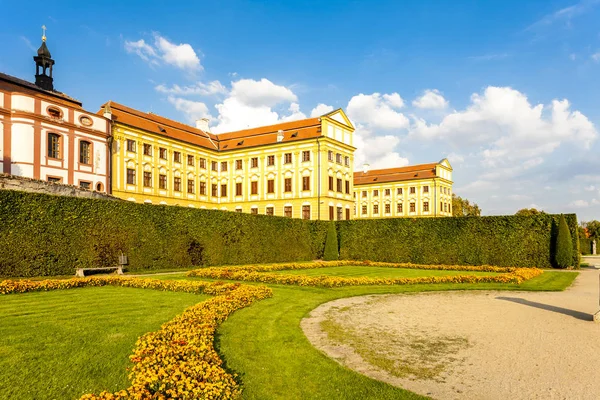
(81, 271)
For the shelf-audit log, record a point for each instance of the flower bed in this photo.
(179, 360)
(259, 273)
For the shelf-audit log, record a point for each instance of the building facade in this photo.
(423, 190)
(47, 135)
(299, 169)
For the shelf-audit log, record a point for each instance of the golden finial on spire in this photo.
(43, 33)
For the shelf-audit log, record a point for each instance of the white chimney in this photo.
(365, 168)
(279, 136)
(107, 111)
(202, 124)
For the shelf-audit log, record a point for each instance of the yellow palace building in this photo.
(299, 169)
(423, 190)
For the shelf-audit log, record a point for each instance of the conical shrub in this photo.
(564, 245)
(331, 244)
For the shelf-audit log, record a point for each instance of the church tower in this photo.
(43, 65)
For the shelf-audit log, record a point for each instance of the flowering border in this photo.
(259, 273)
(179, 360)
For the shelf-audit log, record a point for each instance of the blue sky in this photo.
(508, 90)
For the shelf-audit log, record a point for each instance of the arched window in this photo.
(85, 149)
(53, 145)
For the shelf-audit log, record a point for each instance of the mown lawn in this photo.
(377, 272)
(62, 344)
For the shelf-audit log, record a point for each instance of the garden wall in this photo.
(52, 235)
(521, 241)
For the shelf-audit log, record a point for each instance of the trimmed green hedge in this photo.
(585, 245)
(52, 235)
(521, 241)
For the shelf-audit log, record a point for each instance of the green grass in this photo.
(377, 272)
(62, 344)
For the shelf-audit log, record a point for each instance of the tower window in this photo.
(54, 112)
(53, 145)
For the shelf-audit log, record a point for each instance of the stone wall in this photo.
(11, 182)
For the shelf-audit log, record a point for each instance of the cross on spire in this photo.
(44, 33)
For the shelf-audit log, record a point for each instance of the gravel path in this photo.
(470, 345)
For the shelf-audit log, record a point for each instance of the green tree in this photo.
(331, 244)
(463, 208)
(593, 229)
(564, 245)
(529, 211)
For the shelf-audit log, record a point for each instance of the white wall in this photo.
(22, 103)
(22, 143)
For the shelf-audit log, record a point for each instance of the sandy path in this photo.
(472, 345)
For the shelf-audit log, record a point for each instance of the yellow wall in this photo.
(335, 134)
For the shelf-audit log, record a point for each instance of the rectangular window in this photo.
(271, 186)
(85, 148)
(254, 187)
(238, 188)
(441, 206)
(364, 210)
(254, 211)
(224, 190)
(287, 158)
(238, 210)
(214, 190)
(53, 145)
(305, 212)
(399, 208)
(347, 163)
(445, 207)
(269, 211)
(147, 179)
(288, 184)
(330, 155)
(238, 164)
(306, 183)
(306, 156)
(375, 208)
(203, 188)
(162, 153)
(331, 211)
(54, 180)
(387, 208)
(399, 191)
(338, 158)
(425, 206)
(223, 166)
(203, 163)
(347, 213)
(340, 213)
(190, 159)
(131, 145)
(214, 166)
(177, 184)
(425, 189)
(85, 185)
(331, 183)
(347, 187)
(287, 211)
(130, 176)
(388, 192)
(162, 181)
(412, 190)
(147, 149)
(177, 157)
(270, 160)
(412, 207)
(364, 193)
(191, 188)
(375, 192)
(254, 164)
(340, 187)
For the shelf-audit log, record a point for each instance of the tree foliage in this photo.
(592, 229)
(564, 245)
(464, 208)
(529, 211)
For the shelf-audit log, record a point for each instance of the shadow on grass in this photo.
(573, 313)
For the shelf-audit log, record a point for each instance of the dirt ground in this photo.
(470, 345)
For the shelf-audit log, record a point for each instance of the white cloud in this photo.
(320, 109)
(199, 88)
(590, 188)
(455, 158)
(579, 204)
(431, 100)
(193, 110)
(596, 56)
(261, 93)
(180, 55)
(295, 115)
(377, 111)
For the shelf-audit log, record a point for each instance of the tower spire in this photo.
(43, 65)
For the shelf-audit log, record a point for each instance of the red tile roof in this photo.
(410, 172)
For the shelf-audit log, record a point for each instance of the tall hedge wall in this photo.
(523, 241)
(51, 235)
